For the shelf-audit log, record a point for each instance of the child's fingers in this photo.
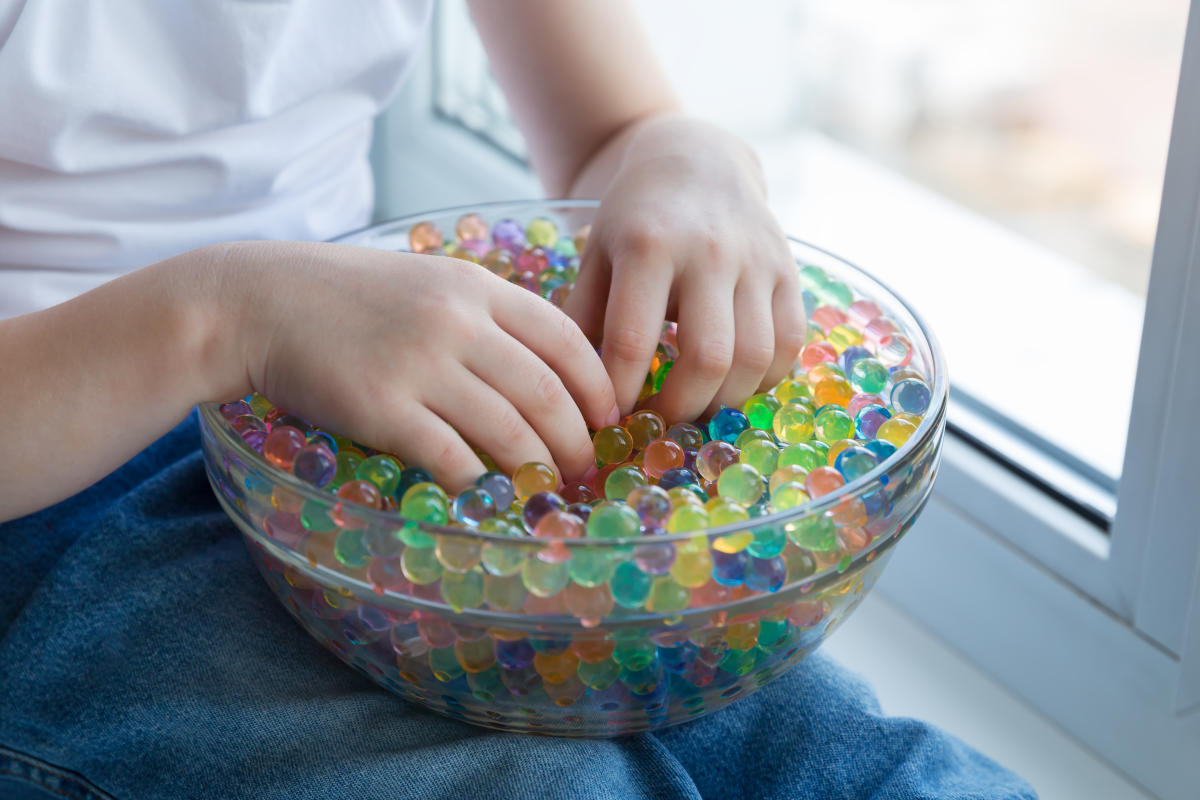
(426, 439)
(541, 398)
(753, 344)
(706, 335)
(585, 303)
(486, 419)
(787, 314)
(555, 338)
(633, 319)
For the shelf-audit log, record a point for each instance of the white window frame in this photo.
(1099, 630)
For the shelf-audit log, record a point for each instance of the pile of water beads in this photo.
(854, 398)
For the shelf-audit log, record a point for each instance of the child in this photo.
(183, 138)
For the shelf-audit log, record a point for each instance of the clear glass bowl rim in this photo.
(930, 426)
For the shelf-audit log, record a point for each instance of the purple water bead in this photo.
(729, 569)
(539, 505)
(655, 558)
(509, 234)
(514, 654)
(765, 574)
(315, 464)
(237, 408)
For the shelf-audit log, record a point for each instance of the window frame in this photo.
(1099, 629)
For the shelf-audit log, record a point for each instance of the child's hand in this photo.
(413, 354)
(683, 232)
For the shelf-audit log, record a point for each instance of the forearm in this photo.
(91, 382)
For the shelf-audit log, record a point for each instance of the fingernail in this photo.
(613, 417)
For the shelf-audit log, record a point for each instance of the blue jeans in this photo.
(142, 656)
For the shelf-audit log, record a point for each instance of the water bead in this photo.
(915, 419)
(793, 423)
(591, 566)
(315, 464)
(837, 448)
(868, 375)
(462, 589)
(541, 232)
(803, 455)
(247, 423)
(686, 435)
(821, 449)
(854, 462)
(752, 435)
(688, 493)
(474, 505)
(714, 457)
(533, 261)
(509, 234)
(281, 445)
(613, 520)
(881, 448)
(591, 604)
(852, 355)
(629, 585)
(623, 480)
(692, 569)
(788, 495)
(533, 477)
(425, 502)
(896, 431)
(544, 578)
(843, 337)
(816, 353)
(725, 511)
(499, 486)
(559, 525)
(910, 396)
(677, 477)
(667, 596)
(832, 423)
(792, 390)
(820, 372)
(470, 226)
(644, 427)
(660, 456)
(741, 482)
(538, 506)
(729, 569)
(823, 480)
(499, 262)
(868, 420)
(788, 473)
(827, 317)
(381, 470)
(424, 237)
(652, 505)
(762, 455)
(409, 477)
(861, 312)
(894, 350)
(861, 401)
(238, 408)
(765, 574)
(687, 517)
(726, 424)
(834, 390)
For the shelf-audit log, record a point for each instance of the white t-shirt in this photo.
(132, 130)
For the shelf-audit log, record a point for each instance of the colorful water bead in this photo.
(282, 444)
(423, 237)
(714, 457)
(541, 232)
(726, 424)
(793, 423)
(910, 396)
(660, 456)
(474, 505)
(613, 444)
(533, 477)
(741, 482)
(315, 464)
(499, 486)
(644, 427)
(623, 480)
(868, 375)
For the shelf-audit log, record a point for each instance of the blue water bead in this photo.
(679, 657)
(765, 574)
(854, 462)
(325, 438)
(729, 569)
(852, 354)
(581, 510)
(810, 302)
(679, 476)
(499, 486)
(882, 448)
(877, 503)
(911, 396)
(726, 424)
(474, 505)
(409, 477)
(550, 645)
(514, 654)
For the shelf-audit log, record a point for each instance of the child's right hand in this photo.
(413, 354)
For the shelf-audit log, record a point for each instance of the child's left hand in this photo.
(684, 233)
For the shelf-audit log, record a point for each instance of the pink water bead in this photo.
(828, 317)
(860, 401)
(862, 312)
(714, 457)
(816, 353)
(282, 444)
(876, 329)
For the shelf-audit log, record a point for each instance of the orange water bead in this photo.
(423, 237)
(557, 667)
(592, 650)
(850, 513)
(853, 540)
(823, 480)
(591, 604)
(660, 456)
(826, 369)
(363, 493)
(533, 477)
(475, 656)
(815, 353)
(499, 262)
(644, 426)
(471, 226)
(833, 390)
(559, 525)
(282, 444)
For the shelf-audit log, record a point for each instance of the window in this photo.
(1002, 166)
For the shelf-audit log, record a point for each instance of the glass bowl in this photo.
(488, 629)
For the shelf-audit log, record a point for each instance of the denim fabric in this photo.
(141, 656)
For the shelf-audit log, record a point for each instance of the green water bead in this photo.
(742, 483)
(726, 511)
(793, 423)
(420, 565)
(660, 375)
(381, 470)
(760, 410)
(768, 542)
(623, 480)
(544, 578)
(832, 424)
(612, 520)
(633, 651)
(835, 293)
(752, 435)
(802, 455)
(443, 663)
(868, 375)
(591, 566)
(462, 589)
(314, 516)
(793, 390)
(426, 502)
(762, 455)
(486, 686)
(813, 276)
(772, 632)
(667, 596)
(788, 496)
(629, 585)
(412, 535)
(687, 517)
(348, 463)
(504, 592)
(818, 533)
(598, 675)
(351, 548)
